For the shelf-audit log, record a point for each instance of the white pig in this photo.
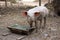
(35, 14)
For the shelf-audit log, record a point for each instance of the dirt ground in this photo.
(50, 32)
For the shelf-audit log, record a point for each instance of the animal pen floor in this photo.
(51, 32)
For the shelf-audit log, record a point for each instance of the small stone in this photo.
(53, 29)
(16, 24)
(14, 19)
(21, 38)
(46, 35)
(0, 15)
(5, 34)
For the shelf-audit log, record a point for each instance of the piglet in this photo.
(36, 14)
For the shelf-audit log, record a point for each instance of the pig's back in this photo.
(42, 9)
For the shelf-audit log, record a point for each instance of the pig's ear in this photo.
(36, 13)
(24, 14)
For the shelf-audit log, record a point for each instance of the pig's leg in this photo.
(36, 25)
(44, 21)
(40, 23)
(31, 24)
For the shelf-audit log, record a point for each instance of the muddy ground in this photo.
(13, 16)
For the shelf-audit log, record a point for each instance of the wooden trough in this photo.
(20, 29)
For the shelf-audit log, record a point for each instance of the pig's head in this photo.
(29, 17)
